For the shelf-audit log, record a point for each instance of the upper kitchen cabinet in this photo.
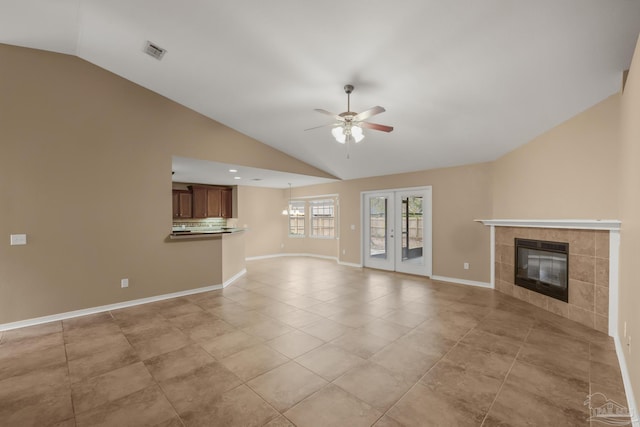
(182, 204)
(226, 199)
(211, 202)
(199, 194)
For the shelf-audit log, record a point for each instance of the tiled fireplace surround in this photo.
(590, 265)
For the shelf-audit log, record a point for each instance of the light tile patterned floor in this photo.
(306, 342)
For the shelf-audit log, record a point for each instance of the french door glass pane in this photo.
(412, 225)
(378, 227)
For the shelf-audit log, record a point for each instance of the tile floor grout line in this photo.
(411, 329)
(139, 361)
(428, 370)
(485, 309)
(66, 356)
(590, 389)
(164, 394)
(506, 376)
(242, 383)
(246, 384)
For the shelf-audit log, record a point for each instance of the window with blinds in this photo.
(323, 218)
(296, 218)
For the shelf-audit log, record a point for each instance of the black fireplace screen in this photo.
(543, 267)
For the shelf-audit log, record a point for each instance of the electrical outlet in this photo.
(466, 265)
(344, 252)
(281, 245)
(18, 239)
(124, 283)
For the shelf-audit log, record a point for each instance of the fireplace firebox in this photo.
(543, 267)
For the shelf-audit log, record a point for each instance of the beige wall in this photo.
(260, 211)
(630, 215)
(570, 172)
(308, 245)
(586, 168)
(233, 255)
(85, 172)
(314, 246)
(459, 195)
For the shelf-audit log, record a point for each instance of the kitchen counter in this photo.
(219, 252)
(191, 234)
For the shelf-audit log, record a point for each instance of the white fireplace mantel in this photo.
(580, 224)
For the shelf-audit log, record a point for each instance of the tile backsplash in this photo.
(199, 224)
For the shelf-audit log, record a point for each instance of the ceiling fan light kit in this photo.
(348, 125)
(340, 133)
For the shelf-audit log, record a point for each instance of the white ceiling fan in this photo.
(348, 125)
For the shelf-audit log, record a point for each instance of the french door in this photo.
(397, 230)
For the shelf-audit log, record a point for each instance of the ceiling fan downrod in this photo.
(348, 89)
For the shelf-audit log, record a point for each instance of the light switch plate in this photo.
(18, 239)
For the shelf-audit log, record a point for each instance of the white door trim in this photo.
(388, 262)
(428, 223)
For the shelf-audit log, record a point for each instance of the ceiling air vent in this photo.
(154, 50)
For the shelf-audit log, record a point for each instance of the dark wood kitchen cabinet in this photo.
(226, 200)
(199, 194)
(211, 202)
(182, 203)
(214, 204)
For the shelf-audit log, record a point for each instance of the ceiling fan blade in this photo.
(368, 113)
(323, 126)
(328, 113)
(376, 126)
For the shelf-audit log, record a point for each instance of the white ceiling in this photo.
(207, 172)
(463, 81)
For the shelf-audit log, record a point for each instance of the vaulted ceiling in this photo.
(463, 81)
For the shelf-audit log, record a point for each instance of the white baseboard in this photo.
(337, 260)
(233, 278)
(626, 380)
(291, 255)
(255, 258)
(116, 306)
(462, 281)
(350, 264)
